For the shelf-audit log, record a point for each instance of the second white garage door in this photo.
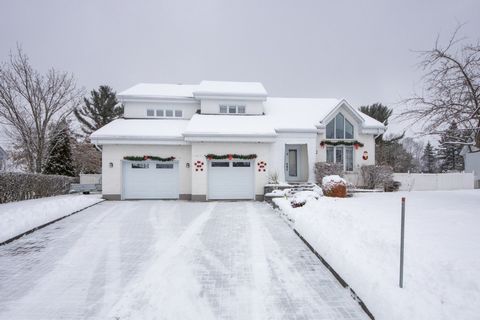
(231, 180)
(150, 180)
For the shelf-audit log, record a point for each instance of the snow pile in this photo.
(359, 238)
(22, 216)
(277, 193)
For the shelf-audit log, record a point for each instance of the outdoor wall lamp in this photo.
(110, 164)
(187, 165)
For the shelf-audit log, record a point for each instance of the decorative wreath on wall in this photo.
(143, 158)
(354, 143)
(198, 165)
(262, 166)
(212, 156)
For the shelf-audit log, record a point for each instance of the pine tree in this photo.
(449, 151)
(100, 109)
(59, 160)
(428, 159)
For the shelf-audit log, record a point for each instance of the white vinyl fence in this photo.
(435, 181)
(90, 178)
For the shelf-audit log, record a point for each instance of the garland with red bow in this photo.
(354, 143)
(143, 158)
(212, 156)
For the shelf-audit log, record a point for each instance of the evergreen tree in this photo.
(449, 149)
(428, 159)
(100, 109)
(59, 159)
(378, 112)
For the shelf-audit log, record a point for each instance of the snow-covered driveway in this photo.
(168, 260)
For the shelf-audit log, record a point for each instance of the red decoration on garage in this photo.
(262, 166)
(198, 165)
(230, 157)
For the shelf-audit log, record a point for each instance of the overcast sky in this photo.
(358, 50)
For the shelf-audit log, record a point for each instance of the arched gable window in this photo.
(339, 128)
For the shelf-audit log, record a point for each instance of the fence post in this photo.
(402, 241)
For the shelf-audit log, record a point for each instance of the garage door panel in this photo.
(230, 180)
(150, 180)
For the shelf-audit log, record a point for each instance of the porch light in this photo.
(187, 165)
(110, 164)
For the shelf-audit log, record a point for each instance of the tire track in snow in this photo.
(137, 302)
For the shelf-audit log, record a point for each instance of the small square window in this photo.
(178, 113)
(169, 113)
(220, 164)
(164, 165)
(241, 164)
(160, 113)
(223, 109)
(241, 109)
(150, 113)
(232, 109)
(140, 165)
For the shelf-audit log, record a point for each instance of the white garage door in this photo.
(231, 180)
(150, 180)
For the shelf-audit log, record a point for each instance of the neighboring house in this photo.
(471, 156)
(221, 140)
(3, 159)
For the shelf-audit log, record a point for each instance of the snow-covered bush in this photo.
(375, 176)
(273, 177)
(323, 169)
(15, 186)
(334, 186)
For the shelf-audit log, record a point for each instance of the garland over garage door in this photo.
(231, 180)
(150, 180)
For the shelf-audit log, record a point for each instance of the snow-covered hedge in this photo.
(375, 176)
(15, 186)
(323, 169)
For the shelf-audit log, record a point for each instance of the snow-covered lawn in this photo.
(19, 217)
(360, 238)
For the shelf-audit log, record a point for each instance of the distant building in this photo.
(471, 156)
(3, 159)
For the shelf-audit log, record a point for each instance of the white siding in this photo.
(139, 109)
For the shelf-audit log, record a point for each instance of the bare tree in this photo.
(452, 88)
(31, 104)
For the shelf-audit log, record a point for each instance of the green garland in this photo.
(341, 143)
(212, 156)
(134, 158)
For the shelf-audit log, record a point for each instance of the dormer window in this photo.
(169, 113)
(165, 113)
(339, 128)
(150, 113)
(160, 113)
(232, 109)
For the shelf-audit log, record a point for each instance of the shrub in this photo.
(323, 169)
(334, 186)
(376, 176)
(15, 186)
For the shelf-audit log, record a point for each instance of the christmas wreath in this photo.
(354, 143)
(212, 156)
(143, 158)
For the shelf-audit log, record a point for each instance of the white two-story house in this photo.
(221, 140)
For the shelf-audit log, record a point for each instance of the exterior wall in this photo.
(210, 106)
(199, 150)
(112, 177)
(434, 181)
(139, 109)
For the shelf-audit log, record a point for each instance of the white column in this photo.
(312, 155)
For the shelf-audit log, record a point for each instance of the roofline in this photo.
(151, 98)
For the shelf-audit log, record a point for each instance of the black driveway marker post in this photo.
(402, 246)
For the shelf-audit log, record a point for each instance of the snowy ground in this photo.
(359, 237)
(21, 216)
(168, 260)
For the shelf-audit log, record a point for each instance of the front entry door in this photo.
(292, 163)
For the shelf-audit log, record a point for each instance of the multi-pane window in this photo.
(342, 155)
(232, 109)
(339, 128)
(162, 113)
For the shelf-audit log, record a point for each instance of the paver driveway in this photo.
(168, 260)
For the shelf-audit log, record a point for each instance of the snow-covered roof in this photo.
(230, 88)
(287, 114)
(159, 90)
(230, 126)
(141, 129)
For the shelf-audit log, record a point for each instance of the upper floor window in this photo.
(339, 128)
(162, 113)
(232, 109)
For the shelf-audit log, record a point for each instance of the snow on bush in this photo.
(323, 169)
(377, 176)
(334, 186)
(16, 186)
